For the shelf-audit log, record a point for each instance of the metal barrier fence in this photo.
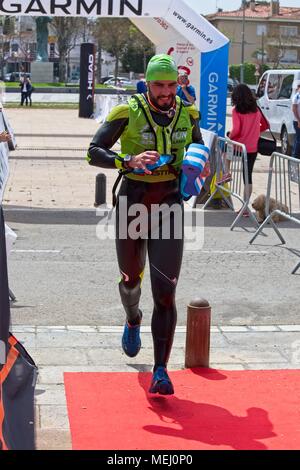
(283, 194)
(105, 103)
(231, 170)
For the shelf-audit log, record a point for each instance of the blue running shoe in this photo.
(131, 341)
(161, 382)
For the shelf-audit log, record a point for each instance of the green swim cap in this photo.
(161, 67)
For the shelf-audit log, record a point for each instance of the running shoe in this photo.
(161, 382)
(131, 340)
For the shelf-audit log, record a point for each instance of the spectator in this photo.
(247, 124)
(185, 91)
(29, 92)
(296, 122)
(141, 86)
(26, 90)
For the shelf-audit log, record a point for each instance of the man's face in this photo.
(163, 93)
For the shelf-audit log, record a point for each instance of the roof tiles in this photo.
(260, 11)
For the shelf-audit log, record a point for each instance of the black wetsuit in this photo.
(165, 255)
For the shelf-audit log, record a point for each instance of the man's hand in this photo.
(5, 136)
(146, 158)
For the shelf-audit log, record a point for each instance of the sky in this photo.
(210, 6)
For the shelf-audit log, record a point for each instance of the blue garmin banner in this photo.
(213, 85)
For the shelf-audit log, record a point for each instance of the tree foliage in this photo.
(120, 38)
(67, 30)
(137, 52)
(249, 72)
(112, 35)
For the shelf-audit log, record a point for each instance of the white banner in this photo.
(194, 27)
(168, 41)
(183, 18)
(10, 237)
(4, 171)
(114, 8)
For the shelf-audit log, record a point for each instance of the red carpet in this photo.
(210, 410)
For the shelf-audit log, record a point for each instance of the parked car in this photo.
(104, 79)
(15, 76)
(274, 92)
(121, 81)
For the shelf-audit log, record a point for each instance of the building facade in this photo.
(271, 33)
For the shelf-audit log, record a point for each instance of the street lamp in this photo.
(243, 42)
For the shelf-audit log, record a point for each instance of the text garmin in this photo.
(212, 115)
(79, 7)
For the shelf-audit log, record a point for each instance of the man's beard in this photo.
(164, 107)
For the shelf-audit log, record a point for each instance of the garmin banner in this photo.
(209, 43)
(213, 84)
(87, 80)
(125, 8)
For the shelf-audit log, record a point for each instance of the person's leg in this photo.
(22, 98)
(165, 257)
(251, 158)
(296, 146)
(131, 255)
(30, 100)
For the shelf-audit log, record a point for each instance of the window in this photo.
(286, 87)
(273, 86)
(290, 56)
(261, 29)
(288, 31)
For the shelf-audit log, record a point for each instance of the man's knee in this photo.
(130, 292)
(164, 299)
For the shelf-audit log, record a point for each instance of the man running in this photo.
(150, 126)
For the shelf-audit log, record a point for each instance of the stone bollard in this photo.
(100, 190)
(198, 334)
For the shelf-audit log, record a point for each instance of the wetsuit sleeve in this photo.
(99, 153)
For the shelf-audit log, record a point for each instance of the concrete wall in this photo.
(42, 72)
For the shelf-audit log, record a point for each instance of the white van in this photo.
(275, 91)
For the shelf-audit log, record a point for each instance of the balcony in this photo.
(291, 41)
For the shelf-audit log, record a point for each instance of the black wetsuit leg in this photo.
(131, 254)
(165, 256)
